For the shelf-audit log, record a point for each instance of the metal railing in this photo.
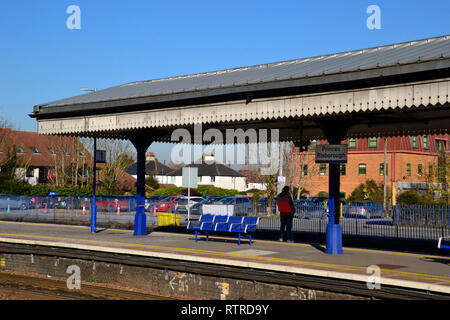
(415, 222)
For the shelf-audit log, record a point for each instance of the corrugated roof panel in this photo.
(371, 58)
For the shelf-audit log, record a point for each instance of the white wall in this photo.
(237, 183)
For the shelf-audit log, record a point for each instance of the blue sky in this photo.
(41, 60)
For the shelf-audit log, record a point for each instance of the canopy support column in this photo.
(140, 220)
(335, 131)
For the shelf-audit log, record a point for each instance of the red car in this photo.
(112, 205)
(167, 204)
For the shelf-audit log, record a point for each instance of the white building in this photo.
(213, 174)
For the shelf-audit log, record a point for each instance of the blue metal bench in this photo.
(443, 246)
(240, 225)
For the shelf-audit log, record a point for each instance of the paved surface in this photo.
(421, 271)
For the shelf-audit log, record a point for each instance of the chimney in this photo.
(150, 156)
(209, 157)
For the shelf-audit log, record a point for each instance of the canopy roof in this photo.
(387, 90)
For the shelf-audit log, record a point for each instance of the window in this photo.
(30, 172)
(419, 170)
(372, 142)
(430, 171)
(440, 145)
(305, 170)
(362, 169)
(408, 169)
(81, 153)
(20, 150)
(382, 169)
(51, 151)
(34, 150)
(213, 179)
(352, 143)
(414, 142)
(322, 169)
(425, 142)
(343, 168)
(172, 179)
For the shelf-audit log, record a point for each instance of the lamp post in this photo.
(93, 205)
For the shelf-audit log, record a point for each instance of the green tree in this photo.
(271, 189)
(370, 191)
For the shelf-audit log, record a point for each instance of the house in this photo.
(410, 161)
(153, 168)
(42, 158)
(213, 174)
(254, 180)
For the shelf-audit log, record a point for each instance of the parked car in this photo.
(363, 209)
(112, 204)
(181, 207)
(14, 202)
(316, 200)
(310, 209)
(242, 205)
(212, 198)
(167, 204)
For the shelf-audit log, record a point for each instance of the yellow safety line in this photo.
(228, 253)
(395, 253)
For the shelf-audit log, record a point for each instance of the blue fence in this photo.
(412, 222)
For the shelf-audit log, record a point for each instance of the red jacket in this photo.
(285, 203)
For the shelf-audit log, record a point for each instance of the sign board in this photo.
(331, 153)
(190, 176)
(281, 180)
(100, 156)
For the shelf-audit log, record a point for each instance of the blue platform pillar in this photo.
(140, 219)
(335, 130)
(334, 230)
(94, 182)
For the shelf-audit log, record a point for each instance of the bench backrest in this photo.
(235, 220)
(206, 217)
(251, 220)
(220, 219)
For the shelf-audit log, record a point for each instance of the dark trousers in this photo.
(286, 226)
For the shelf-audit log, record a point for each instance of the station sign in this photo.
(100, 156)
(331, 153)
(190, 177)
(281, 180)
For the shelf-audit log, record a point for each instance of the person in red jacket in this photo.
(286, 208)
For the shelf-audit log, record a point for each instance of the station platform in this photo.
(426, 272)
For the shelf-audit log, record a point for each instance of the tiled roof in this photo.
(212, 170)
(152, 167)
(399, 143)
(38, 149)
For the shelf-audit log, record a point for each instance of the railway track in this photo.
(23, 287)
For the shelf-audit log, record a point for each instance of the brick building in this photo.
(409, 159)
(43, 158)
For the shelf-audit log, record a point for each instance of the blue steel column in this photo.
(334, 229)
(140, 220)
(93, 204)
(335, 129)
(141, 142)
